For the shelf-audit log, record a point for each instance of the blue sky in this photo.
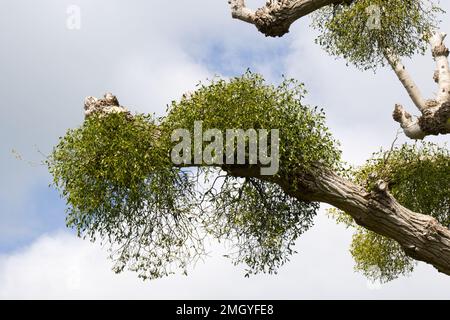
(149, 53)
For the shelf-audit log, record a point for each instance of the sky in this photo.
(149, 53)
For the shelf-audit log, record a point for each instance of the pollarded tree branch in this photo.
(435, 113)
(421, 236)
(275, 18)
(410, 125)
(241, 12)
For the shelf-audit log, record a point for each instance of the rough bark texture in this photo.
(440, 54)
(275, 18)
(421, 236)
(410, 125)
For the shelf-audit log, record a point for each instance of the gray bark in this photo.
(275, 18)
(422, 237)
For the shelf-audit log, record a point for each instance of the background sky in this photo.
(149, 53)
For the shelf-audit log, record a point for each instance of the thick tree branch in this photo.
(421, 236)
(241, 12)
(275, 18)
(410, 125)
(435, 113)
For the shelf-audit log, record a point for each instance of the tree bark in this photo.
(406, 80)
(440, 54)
(275, 18)
(422, 237)
(435, 113)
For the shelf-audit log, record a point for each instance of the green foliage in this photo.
(417, 175)
(247, 102)
(121, 187)
(379, 258)
(261, 221)
(418, 178)
(361, 31)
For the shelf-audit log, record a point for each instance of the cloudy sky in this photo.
(148, 53)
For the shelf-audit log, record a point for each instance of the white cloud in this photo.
(61, 266)
(47, 74)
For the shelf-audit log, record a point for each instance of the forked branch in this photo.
(435, 113)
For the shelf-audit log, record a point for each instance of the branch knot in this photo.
(108, 104)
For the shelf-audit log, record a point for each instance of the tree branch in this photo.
(435, 113)
(421, 236)
(410, 126)
(108, 104)
(241, 12)
(407, 81)
(442, 75)
(275, 18)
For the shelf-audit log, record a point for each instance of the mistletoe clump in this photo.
(417, 176)
(362, 31)
(116, 174)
